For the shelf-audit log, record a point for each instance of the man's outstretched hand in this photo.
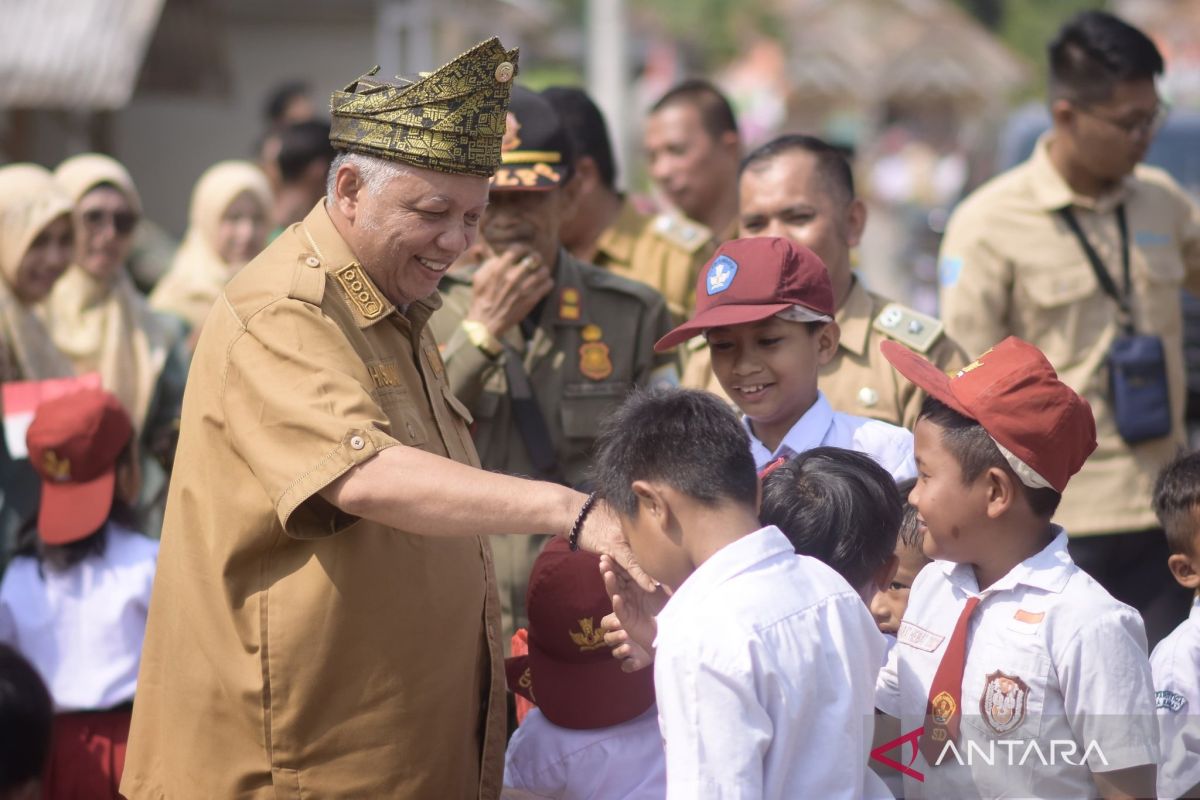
(602, 534)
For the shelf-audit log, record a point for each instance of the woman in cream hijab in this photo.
(36, 239)
(102, 324)
(228, 227)
(35, 248)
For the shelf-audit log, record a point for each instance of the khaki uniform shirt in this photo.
(293, 650)
(593, 343)
(1010, 266)
(663, 252)
(859, 380)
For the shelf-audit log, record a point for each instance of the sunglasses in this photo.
(123, 222)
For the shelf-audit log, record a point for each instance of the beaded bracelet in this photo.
(573, 538)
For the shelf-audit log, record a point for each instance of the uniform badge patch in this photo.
(720, 275)
(949, 268)
(360, 291)
(943, 708)
(1003, 702)
(591, 333)
(568, 304)
(595, 360)
(918, 637)
(1171, 701)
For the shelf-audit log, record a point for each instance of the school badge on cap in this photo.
(720, 274)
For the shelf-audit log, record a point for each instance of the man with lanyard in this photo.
(539, 345)
(1082, 251)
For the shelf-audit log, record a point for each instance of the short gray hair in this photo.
(375, 172)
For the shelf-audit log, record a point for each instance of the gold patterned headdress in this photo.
(451, 120)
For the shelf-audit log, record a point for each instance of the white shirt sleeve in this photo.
(715, 729)
(887, 685)
(1176, 670)
(1109, 698)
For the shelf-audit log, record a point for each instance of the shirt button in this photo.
(312, 261)
(357, 442)
(411, 432)
(868, 396)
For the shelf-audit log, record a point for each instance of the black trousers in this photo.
(1132, 566)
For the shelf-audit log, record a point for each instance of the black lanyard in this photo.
(1098, 267)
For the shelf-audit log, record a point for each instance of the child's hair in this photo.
(61, 557)
(26, 717)
(1176, 497)
(838, 506)
(976, 453)
(687, 439)
(910, 529)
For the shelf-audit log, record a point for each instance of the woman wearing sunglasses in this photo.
(102, 323)
(227, 227)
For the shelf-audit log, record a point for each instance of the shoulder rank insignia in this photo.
(914, 330)
(568, 304)
(684, 234)
(360, 291)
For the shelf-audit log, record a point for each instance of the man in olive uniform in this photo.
(605, 229)
(325, 621)
(802, 188)
(539, 345)
(1012, 264)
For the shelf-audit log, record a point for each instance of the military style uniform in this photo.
(594, 342)
(859, 380)
(663, 252)
(1010, 266)
(339, 657)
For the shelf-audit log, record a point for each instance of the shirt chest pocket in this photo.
(1061, 306)
(585, 405)
(1004, 691)
(406, 425)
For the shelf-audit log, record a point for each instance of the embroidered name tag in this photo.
(918, 637)
(1169, 700)
(1030, 617)
(384, 373)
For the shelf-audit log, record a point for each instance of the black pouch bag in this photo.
(1137, 365)
(1137, 384)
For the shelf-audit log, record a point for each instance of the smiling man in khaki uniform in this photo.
(324, 621)
(1010, 265)
(802, 188)
(539, 345)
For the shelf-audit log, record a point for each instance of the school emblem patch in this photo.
(943, 708)
(595, 360)
(720, 275)
(1003, 702)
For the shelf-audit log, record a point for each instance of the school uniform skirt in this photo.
(87, 754)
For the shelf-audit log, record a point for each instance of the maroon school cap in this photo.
(1043, 427)
(749, 280)
(570, 673)
(74, 442)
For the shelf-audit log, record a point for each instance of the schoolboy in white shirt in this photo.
(1024, 676)
(1176, 659)
(759, 651)
(765, 305)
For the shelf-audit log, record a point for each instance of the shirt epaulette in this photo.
(308, 280)
(686, 235)
(914, 330)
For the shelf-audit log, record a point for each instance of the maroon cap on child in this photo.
(570, 673)
(74, 442)
(748, 280)
(1011, 390)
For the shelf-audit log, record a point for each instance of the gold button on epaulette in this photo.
(360, 291)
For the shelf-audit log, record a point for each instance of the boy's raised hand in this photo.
(631, 628)
(602, 535)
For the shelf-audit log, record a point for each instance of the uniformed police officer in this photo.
(1011, 264)
(539, 345)
(802, 188)
(324, 621)
(663, 251)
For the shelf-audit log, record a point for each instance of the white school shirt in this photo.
(1176, 666)
(1052, 658)
(621, 762)
(764, 672)
(82, 629)
(821, 426)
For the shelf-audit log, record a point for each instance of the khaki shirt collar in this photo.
(854, 319)
(366, 303)
(1050, 189)
(616, 243)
